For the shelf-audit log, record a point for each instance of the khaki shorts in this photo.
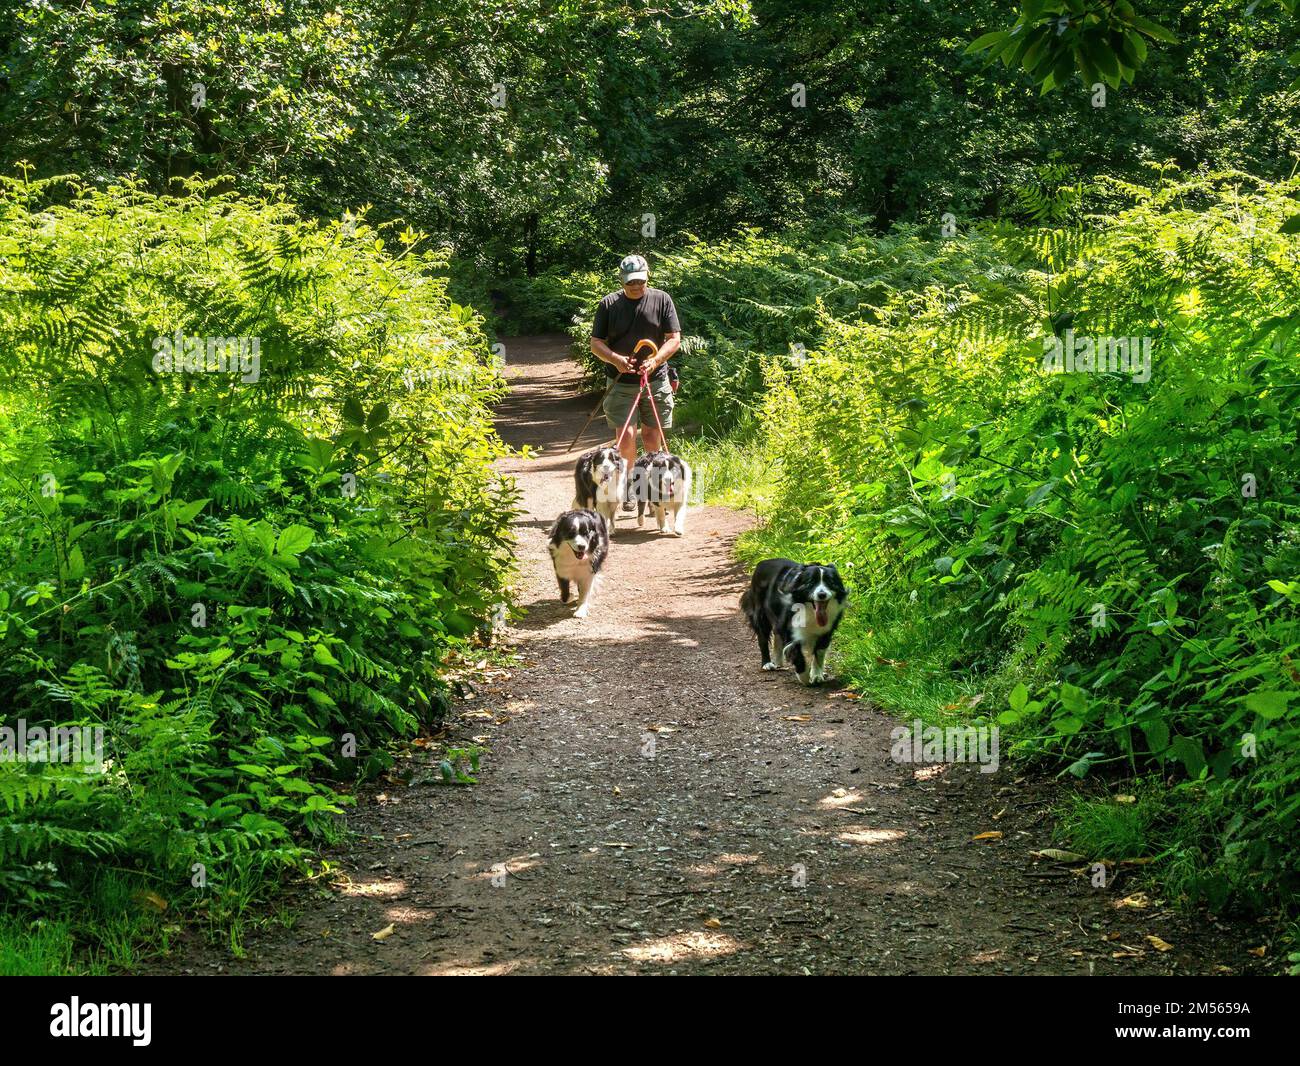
(618, 402)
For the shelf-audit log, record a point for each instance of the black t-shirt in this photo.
(621, 323)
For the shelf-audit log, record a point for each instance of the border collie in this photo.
(600, 483)
(579, 543)
(794, 609)
(661, 483)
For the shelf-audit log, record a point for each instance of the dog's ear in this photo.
(837, 582)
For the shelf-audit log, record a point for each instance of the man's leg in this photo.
(627, 446)
(627, 449)
(651, 438)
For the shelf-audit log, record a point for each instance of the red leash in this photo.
(643, 386)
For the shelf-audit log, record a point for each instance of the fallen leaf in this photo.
(1158, 944)
(1138, 901)
(1125, 799)
(383, 934)
(796, 717)
(1057, 854)
(992, 835)
(615, 844)
(152, 899)
(618, 791)
(1126, 954)
(713, 923)
(1000, 814)
(1258, 952)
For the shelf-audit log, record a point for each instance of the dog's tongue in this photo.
(820, 611)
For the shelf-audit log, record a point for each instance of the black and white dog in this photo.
(794, 609)
(661, 483)
(600, 483)
(579, 543)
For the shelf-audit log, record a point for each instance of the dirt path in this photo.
(649, 799)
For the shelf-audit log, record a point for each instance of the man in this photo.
(624, 318)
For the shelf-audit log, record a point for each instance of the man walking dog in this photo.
(636, 313)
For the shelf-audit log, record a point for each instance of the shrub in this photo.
(248, 576)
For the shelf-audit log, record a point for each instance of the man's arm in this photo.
(672, 341)
(606, 354)
(601, 350)
(672, 334)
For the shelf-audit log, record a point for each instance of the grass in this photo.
(903, 664)
(731, 470)
(1109, 829)
(41, 948)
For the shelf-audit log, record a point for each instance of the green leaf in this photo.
(1081, 766)
(986, 40)
(185, 513)
(1157, 734)
(1152, 29)
(1039, 493)
(1074, 699)
(294, 539)
(1188, 751)
(1268, 703)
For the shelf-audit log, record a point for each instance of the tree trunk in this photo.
(530, 245)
